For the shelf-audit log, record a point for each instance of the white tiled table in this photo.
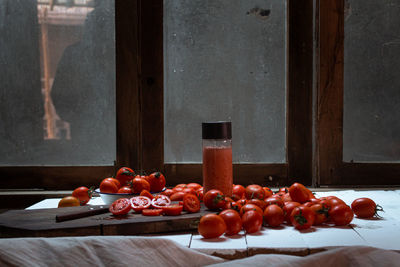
(381, 233)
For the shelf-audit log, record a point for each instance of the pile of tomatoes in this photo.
(253, 206)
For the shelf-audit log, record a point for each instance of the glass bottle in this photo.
(217, 156)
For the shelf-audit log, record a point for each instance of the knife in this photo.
(94, 210)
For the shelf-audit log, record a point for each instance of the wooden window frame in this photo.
(331, 170)
(139, 108)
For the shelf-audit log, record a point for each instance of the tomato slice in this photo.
(140, 203)
(152, 212)
(160, 201)
(172, 210)
(191, 203)
(120, 206)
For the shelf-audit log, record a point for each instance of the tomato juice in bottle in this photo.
(217, 157)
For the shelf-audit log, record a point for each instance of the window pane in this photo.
(225, 60)
(371, 130)
(57, 82)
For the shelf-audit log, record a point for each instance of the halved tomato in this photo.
(172, 210)
(140, 203)
(160, 201)
(191, 203)
(120, 206)
(152, 212)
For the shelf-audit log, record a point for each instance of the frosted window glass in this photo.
(225, 60)
(57, 83)
(371, 130)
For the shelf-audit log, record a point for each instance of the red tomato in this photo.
(232, 220)
(261, 203)
(288, 208)
(211, 226)
(242, 201)
(180, 185)
(283, 190)
(200, 193)
(299, 193)
(108, 186)
(146, 194)
(160, 201)
(252, 221)
(172, 210)
(177, 196)
(268, 192)
(235, 205)
(125, 190)
(273, 215)
(157, 181)
(83, 193)
(275, 200)
(341, 214)
(195, 186)
(286, 198)
(124, 175)
(140, 203)
(321, 213)
(307, 204)
(365, 208)
(334, 201)
(214, 199)
(248, 207)
(139, 184)
(189, 190)
(115, 181)
(254, 191)
(120, 206)
(167, 192)
(152, 212)
(191, 203)
(238, 191)
(302, 217)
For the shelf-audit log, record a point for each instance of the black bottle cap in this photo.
(217, 130)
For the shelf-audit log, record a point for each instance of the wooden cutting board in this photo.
(42, 223)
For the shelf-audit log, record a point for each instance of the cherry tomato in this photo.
(139, 184)
(252, 221)
(302, 217)
(254, 191)
(167, 192)
(261, 203)
(200, 193)
(365, 208)
(321, 213)
(152, 212)
(238, 191)
(232, 220)
(140, 203)
(195, 186)
(273, 215)
(172, 210)
(177, 196)
(214, 199)
(275, 200)
(288, 208)
(341, 214)
(83, 193)
(120, 206)
(124, 175)
(157, 181)
(160, 201)
(211, 226)
(108, 186)
(68, 201)
(268, 192)
(299, 193)
(248, 207)
(191, 203)
(146, 194)
(125, 190)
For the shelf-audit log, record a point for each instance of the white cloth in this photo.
(141, 251)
